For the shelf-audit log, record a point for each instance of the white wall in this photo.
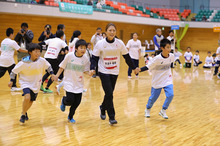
(28, 9)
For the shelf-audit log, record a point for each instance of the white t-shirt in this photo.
(160, 68)
(73, 72)
(8, 48)
(95, 39)
(54, 47)
(109, 55)
(188, 56)
(172, 42)
(72, 45)
(88, 53)
(177, 55)
(31, 73)
(218, 56)
(208, 61)
(134, 48)
(196, 57)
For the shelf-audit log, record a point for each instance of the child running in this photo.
(73, 65)
(161, 78)
(30, 71)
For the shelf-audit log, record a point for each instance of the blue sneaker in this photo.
(72, 120)
(62, 106)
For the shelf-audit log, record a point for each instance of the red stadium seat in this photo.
(47, 3)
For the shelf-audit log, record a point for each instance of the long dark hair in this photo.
(76, 33)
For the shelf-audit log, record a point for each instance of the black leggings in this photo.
(108, 85)
(60, 59)
(55, 66)
(73, 100)
(217, 66)
(9, 69)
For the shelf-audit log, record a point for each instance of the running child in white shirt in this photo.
(177, 55)
(134, 48)
(55, 45)
(196, 59)
(7, 62)
(30, 71)
(160, 67)
(208, 61)
(73, 65)
(188, 58)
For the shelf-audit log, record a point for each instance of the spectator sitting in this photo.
(90, 2)
(204, 18)
(98, 5)
(193, 18)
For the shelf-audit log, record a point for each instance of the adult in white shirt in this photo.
(95, 38)
(75, 37)
(157, 38)
(134, 48)
(106, 55)
(7, 62)
(55, 45)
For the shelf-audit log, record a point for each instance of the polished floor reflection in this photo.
(194, 114)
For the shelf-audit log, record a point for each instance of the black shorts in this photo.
(32, 94)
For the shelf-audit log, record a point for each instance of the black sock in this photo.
(46, 88)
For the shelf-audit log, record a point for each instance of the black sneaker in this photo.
(112, 122)
(22, 120)
(102, 113)
(26, 117)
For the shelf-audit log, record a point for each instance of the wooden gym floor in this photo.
(194, 114)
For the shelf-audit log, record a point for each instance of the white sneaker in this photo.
(163, 114)
(15, 89)
(218, 75)
(136, 76)
(147, 113)
(58, 89)
(84, 90)
(59, 80)
(129, 77)
(181, 65)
